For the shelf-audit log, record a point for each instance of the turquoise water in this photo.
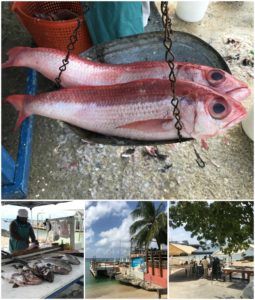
(95, 285)
(92, 282)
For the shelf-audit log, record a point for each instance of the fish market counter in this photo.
(43, 290)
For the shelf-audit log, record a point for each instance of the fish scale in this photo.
(82, 72)
(139, 110)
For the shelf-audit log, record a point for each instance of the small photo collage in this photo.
(127, 162)
(117, 249)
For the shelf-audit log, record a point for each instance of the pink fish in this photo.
(82, 72)
(139, 110)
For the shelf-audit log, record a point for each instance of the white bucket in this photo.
(248, 124)
(191, 11)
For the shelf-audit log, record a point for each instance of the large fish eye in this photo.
(215, 77)
(219, 108)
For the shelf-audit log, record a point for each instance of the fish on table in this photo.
(58, 266)
(82, 71)
(43, 271)
(71, 259)
(139, 110)
(24, 277)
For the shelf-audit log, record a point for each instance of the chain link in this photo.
(169, 58)
(70, 48)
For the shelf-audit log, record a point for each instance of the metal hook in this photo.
(199, 160)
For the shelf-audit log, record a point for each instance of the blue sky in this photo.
(180, 234)
(107, 228)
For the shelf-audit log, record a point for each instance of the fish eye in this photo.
(219, 108)
(216, 77)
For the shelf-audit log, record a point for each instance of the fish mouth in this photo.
(240, 93)
(240, 117)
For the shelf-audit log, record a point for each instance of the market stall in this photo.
(54, 264)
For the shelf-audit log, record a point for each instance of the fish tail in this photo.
(18, 102)
(13, 57)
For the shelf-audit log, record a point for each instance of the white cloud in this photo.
(105, 208)
(89, 235)
(93, 213)
(116, 240)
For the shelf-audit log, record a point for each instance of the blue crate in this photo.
(15, 174)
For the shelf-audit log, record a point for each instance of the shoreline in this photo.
(117, 290)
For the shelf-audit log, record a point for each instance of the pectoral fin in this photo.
(153, 125)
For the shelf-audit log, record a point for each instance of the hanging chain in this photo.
(70, 48)
(169, 58)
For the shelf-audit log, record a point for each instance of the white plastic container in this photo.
(191, 11)
(248, 124)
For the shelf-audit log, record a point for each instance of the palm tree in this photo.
(151, 224)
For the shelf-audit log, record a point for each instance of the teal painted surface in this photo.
(23, 232)
(136, 262)
(108, 21)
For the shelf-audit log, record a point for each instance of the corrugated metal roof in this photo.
(177, 249)
(31, 204)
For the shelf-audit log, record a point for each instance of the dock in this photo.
(104, 268)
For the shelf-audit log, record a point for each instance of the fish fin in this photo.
(12, 57)
(204, 144)
(155, 125)
(18, 102)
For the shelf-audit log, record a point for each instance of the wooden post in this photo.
(147, 262)
(152, 263)
(160, 264)
(72, 233)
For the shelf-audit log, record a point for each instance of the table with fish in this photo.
(42, 277)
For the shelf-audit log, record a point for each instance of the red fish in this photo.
(82, 72)
(138, 110)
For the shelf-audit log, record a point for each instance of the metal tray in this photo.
(145, 47)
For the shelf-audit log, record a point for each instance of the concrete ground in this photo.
(206, 289)
(190, 287)
(66, 167)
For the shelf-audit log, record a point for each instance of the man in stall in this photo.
(20, 232)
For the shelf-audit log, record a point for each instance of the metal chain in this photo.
(169, 58)
(70, 48)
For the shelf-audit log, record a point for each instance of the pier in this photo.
(104, 268)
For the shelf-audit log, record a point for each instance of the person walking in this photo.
(216, 268)
(205, 265)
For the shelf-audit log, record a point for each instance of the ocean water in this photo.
(112, 289)
(95, 285)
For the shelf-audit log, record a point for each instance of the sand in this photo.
(118, 292)
(189, 288)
